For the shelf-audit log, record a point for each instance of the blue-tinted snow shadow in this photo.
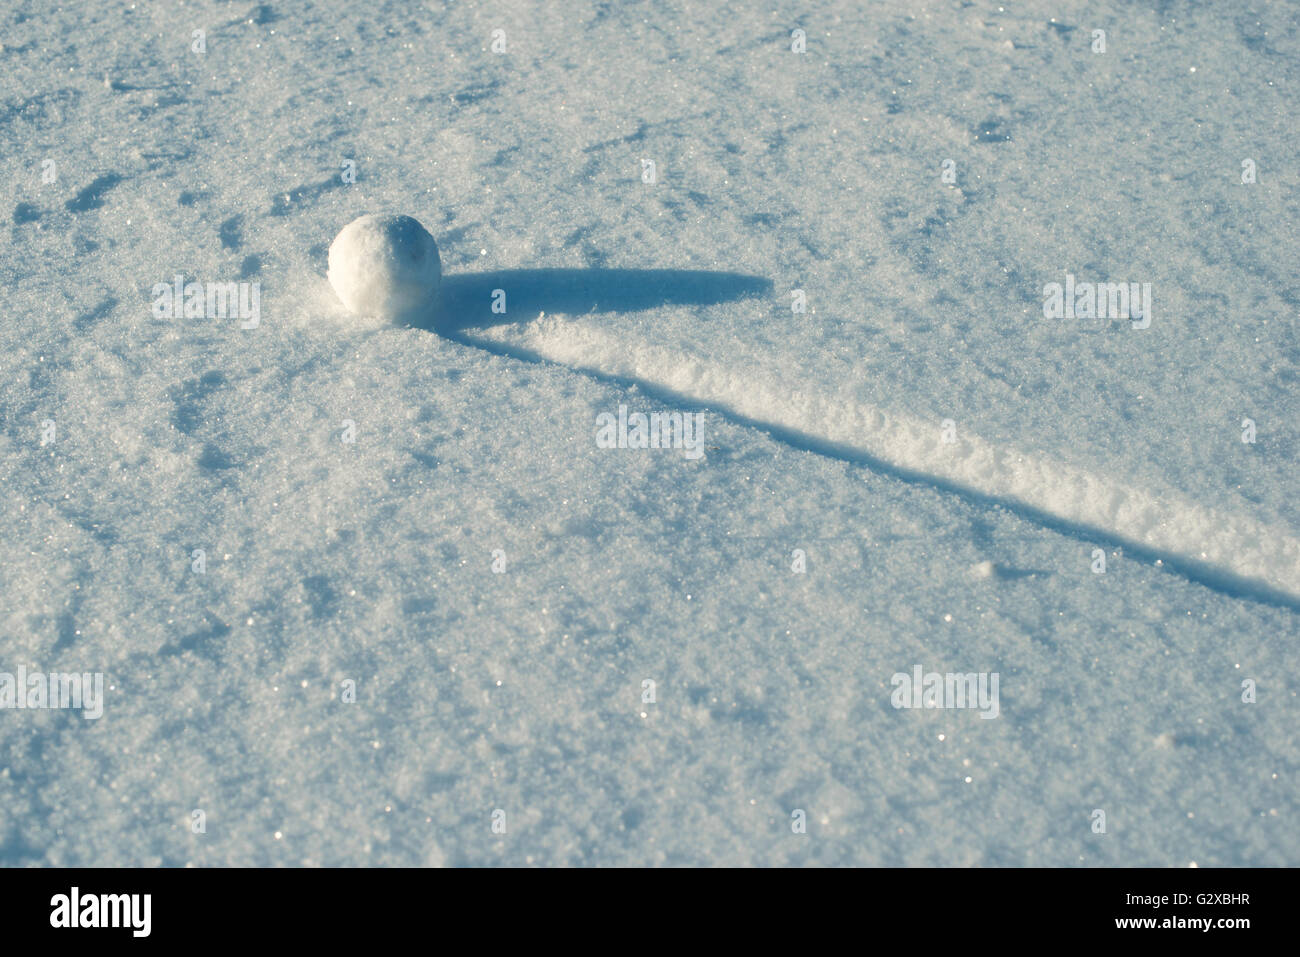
(466, 305)
(467, 299)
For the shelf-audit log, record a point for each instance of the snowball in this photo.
(385, 266)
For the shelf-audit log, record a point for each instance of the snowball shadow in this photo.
(466, 299)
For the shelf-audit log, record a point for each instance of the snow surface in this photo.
(353, 487)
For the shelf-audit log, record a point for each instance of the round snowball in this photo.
(385, 266)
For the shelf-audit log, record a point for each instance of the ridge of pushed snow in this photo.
(1231, 550)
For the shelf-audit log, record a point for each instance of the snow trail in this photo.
(1229, 551)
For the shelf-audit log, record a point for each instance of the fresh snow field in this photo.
(366, 593)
